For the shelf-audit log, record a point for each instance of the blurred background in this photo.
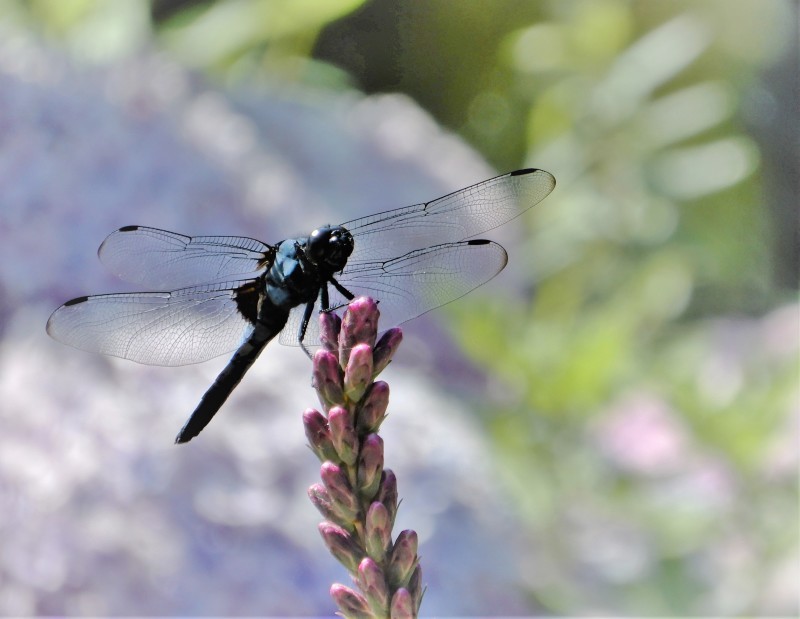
(610, 427)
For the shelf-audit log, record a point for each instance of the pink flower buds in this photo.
(358, 497)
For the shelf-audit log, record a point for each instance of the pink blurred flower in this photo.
(642, 435)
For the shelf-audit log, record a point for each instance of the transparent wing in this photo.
(455, 217)
(167, 260)
(410, 285)
(158, 328)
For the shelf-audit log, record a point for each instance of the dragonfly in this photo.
(218, 294)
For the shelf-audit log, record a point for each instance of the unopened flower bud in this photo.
(415, 587)
(370, 465)
(385, 349)
(330, 510)
(338, 486)
(387, 493)
(343, 435)
(358, 372)
(378, 531)
(329, 326)
(372, 410)
(372, 582)
(342, 546)
(327, 379)
(402, 605)
(318, 434)
(403, 559)
(321, 500)
(359, 326)
(351, 604)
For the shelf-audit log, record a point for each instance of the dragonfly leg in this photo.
(301, 334)
(324, 299)
(325, 303)
(344, 292)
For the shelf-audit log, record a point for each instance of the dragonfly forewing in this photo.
(458, 216)
(166, 260)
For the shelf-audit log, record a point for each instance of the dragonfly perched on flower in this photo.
(219, 294)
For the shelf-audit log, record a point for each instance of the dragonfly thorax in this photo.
(330, 247)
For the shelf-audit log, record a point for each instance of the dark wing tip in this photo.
(525, 171)
(49, 327)
(110, 236)
(75, 301)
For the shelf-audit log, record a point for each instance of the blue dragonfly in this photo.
(218, 294)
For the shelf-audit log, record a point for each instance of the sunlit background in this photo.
(610, 427)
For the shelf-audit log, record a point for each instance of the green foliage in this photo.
(93, 30)
(224, 36)
(651, 252)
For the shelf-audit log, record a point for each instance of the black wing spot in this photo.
(129, 228)
(523, 171)
(478, 242)
(247, 298)
(76, 301)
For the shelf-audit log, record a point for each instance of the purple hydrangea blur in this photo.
(102, 516)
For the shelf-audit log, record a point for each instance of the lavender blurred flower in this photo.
(358, 497)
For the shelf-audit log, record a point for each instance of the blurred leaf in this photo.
(61, 16)
(687, 112)
(97, 31)
(648, 64)
(693, 171)
(225, 30)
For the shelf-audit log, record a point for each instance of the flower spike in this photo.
(358, 497)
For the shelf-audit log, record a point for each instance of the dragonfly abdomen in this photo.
(271, 320)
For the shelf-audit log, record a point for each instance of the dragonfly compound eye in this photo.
(330, 247)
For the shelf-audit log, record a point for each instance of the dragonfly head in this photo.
(330, 247)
